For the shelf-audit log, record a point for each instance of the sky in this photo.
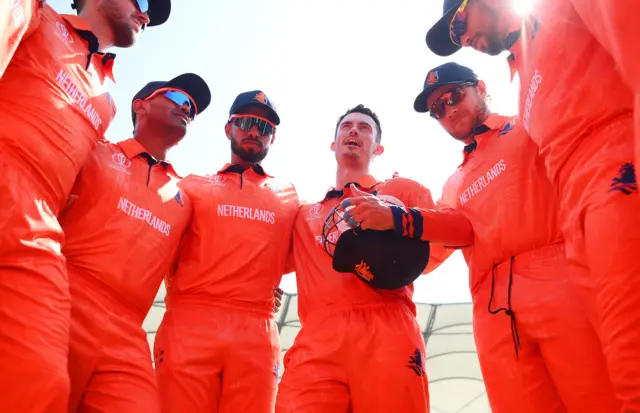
(314, 60)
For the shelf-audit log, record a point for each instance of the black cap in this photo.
(159, 11)
(190, 83)
(446, 74)
(257, 98)
(382, 259)
(439, 36)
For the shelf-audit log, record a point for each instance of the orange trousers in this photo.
(34, 296)
(365, 358)
(220, 358)
(600, 210)
(559, 366)
(110, 362)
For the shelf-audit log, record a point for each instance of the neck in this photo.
(236, 160)
(99, 26)
(153, 143)
(345, 175)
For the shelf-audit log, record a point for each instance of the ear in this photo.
(227, 130)
(138, 106)
(482, 89)
(379, 150)
(333, 146)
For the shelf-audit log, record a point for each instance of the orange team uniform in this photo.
(360, 349)
(217, 348)
(577, 108)
(53, 108)
(123, 227)
(533, 356)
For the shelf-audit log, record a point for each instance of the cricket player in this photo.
(217, 348)
(578, 62)
(529, 327)
(53, 109)
(123, 227)
(360, 349)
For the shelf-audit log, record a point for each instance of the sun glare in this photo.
(523, 7)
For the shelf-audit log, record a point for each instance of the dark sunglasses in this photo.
(450, 98)
(178, 97)
(247, 122)
(458, 25)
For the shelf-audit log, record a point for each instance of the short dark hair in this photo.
(365, 111)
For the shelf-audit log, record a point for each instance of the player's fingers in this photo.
(364, 220)
(347, 202)
(355, 190)
(278, 293)
(350, 220)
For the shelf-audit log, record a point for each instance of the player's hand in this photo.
(368, 211)
(278, 293)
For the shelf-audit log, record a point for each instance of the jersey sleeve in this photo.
(18, 19)
(444, 237)
(443, 225)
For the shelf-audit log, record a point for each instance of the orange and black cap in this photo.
(446, 74)
(255, 98)
(439, 36)
(190, 83)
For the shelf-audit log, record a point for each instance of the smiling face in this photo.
(486, 27)
(160, 113)
(357, 140)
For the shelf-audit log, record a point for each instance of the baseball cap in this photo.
(439, 36)
(446, 74)
(382, 259)
(190, 83)
(256, 98)
(159, 11)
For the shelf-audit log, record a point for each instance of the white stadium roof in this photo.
(455, 381)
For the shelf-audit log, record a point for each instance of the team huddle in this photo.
(544, 207)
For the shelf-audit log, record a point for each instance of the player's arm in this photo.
(444, 226)
(614, 25)
(18, 19)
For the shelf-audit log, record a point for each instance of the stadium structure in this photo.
(455, 381)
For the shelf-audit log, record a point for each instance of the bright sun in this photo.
(523, 7)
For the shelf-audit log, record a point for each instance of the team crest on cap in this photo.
(260, 97)
(432, 78)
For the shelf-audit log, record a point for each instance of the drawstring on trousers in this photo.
(508, 311)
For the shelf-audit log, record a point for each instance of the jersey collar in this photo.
(132, 148)
(255, 168)
(84, 31)
(488, 128)
(516, 42)
(365, 182)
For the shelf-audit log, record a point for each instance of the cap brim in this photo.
(420, 104)
(439, 38)
(194, 86)
(271, 114)
(159, 11)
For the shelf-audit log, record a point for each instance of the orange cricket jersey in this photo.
(53, 104)
(501, 187)
(573, 58)
(124, 223)
(237, 245)
(319, 286)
